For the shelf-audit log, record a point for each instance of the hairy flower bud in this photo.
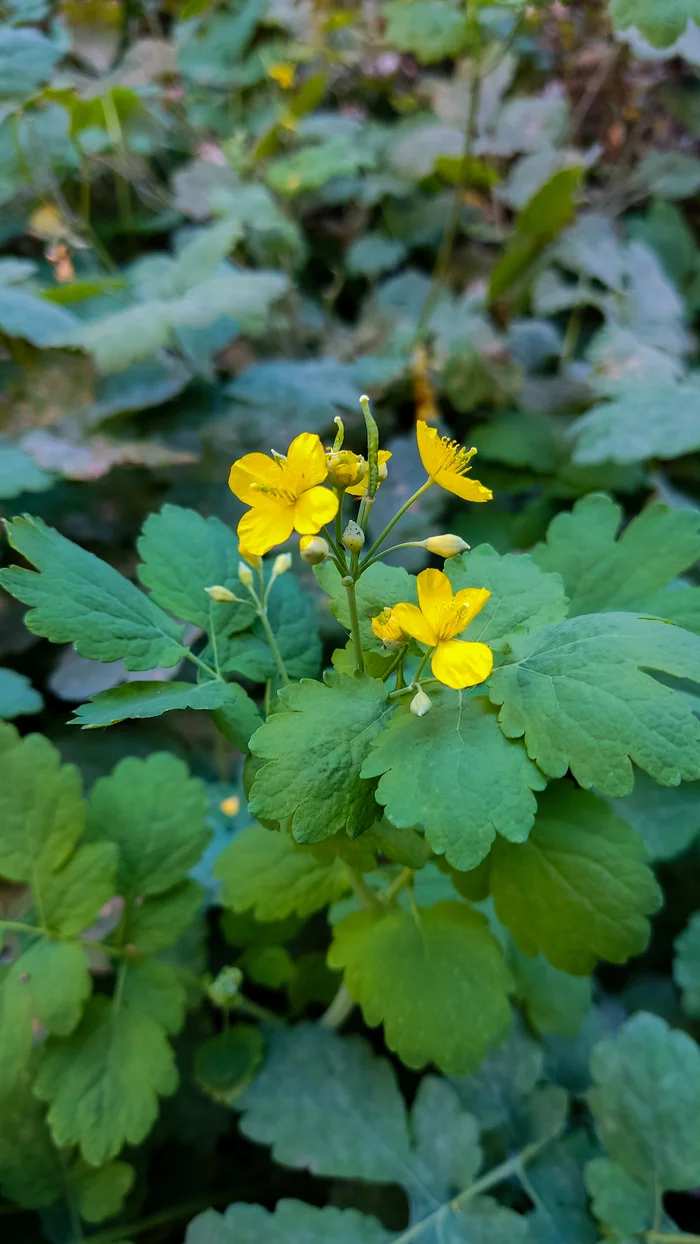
(281, 564)
(245, 574)
(421, 704)
(353, 537)
(445, 546)
(217, 592)
(313, 550)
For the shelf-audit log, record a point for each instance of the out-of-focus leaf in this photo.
(17, 695)
(36, 320)
(646, 422)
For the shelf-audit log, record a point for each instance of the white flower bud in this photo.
(217, 592)
(314, 550)
(281, 564)
(245, 574)
(353, 537)
(445, 546)
(421, 704)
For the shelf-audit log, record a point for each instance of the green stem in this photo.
(269, 635)
(387, 896)
(396, 661)
(247, 1007)
(116, 1234)
(15, 926)
(202, 665)
(355, 627)
(361, 890)
(394, 548)
(338, 1011)
(339, 557)
(426, 657)
(390, 526)
(401, 691)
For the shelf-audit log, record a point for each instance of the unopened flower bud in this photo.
(217, 592)
(281, 564)
(345, 468)
(313, 550)
(421, 704)
(353, 537)
(225, 989)
(445, 546)
(245, 574)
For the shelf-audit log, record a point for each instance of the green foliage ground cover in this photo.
(280, 960)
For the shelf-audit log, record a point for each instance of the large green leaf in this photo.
(666, 817)
(313, 750)
(577, 693)
(434, 977)
(183, 553)
(76, 598)
(42, 813)
(647, 421)
(291, 1223)
(155, 813)
(686, 966)
(646, 1103)
(150, 699)
(579, 889)
(454, 774)
(522, 597)
(661, 24)
(292, 617)
(604, 573)
(47, 983)
(17, 695)
(267, 872)
(103, 1082)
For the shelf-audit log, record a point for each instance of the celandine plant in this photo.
(459, 792)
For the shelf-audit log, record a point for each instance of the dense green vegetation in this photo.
(282, 960)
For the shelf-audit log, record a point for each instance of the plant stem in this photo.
(426, 657)
(203, 665)
(387, 896)
(407, 544)
(15, 926)
(362, 891)
(269, 635)
(396, 661)
(338, 1011)
(389, 527)
(116, 1234)
(247, 1007)
(355, 627)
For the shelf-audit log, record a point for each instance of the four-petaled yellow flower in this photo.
(284, 494)
(447, 464)
(439, 617)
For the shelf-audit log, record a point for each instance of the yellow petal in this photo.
(459, 665)
(268, 523)
(306, 462)
(358, 490)
(428, 446)
(471, 599)
(314, 508)
(251, 471)
(412, 622)
(463, 486)
(434, 597)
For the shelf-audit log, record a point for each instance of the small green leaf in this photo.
(686, 966)
(19, 472)
(238, 718)
(522, 597)
(183, 553)
(225, 1064)
(454, 774)
(446, 1136)
(48, 982)
(34, 319)
(646, 1103)
(42, 813)
(666, 817)
(158, 922)
(314, 749)
(554, 1001)
(646, 421)
(30, 1171)
(292, 1222)
(150, 699)
(76, 598)
(618, 1200)
(17, 695)
(602, 573)
(267, 872)
(435, 978)
(101, 1192)
(103, 1082)
(431, 29)
(579, 888)
(155, 813)
(661, 24)
(549, 211)
(578, 694)
(313, 166)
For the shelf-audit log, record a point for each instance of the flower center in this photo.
(454, 458)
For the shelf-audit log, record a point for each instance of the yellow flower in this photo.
(283, 493)
(447, 464)
(436, 620)
(358, 490)
(386, 628)
(283, 74)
